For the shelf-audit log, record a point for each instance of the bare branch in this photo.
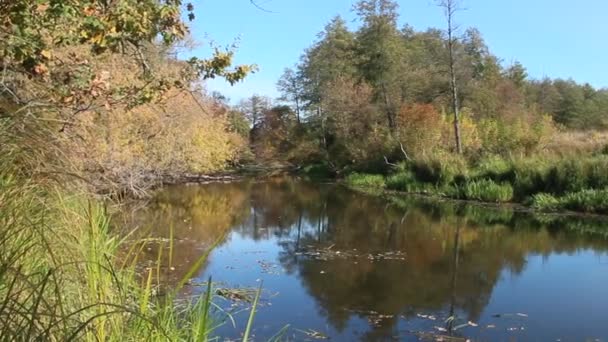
(258, 6)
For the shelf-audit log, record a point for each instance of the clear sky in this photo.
(554, 38)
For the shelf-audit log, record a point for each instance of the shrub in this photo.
(545, 202)
(487, 190)
(420, 127)
(589, 200)
(593, 201)
(574, 174)
(317, 171)
(493, 167)
(402, 181)
(439, 169)
(528, 176)
(363, 180)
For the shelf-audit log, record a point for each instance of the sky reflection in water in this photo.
(513, 276)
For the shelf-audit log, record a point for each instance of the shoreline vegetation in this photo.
(541, 184)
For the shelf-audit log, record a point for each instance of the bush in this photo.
(487, 190)
(545, 202)
(493, 167)
(363, 180)
(592, 201)
(317, 171)
(402, 181)
(528, 177)
(574, 174)
(440, 169)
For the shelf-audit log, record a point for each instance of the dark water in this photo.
(356, 267)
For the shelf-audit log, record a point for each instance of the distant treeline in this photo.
(382, 90)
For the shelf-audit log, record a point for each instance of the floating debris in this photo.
(270, 267)
(376, 319)
(507, 315)
(314, 334)
(516, 328)
(328, 253)
(237, 295)
(429, 317)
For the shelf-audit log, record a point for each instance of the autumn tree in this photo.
(74, 69)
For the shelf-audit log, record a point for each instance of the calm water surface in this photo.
(349, 267)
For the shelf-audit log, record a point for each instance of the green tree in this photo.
(254, 108)
(291, 88)
(381, 53)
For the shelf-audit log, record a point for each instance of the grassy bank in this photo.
(65, 275)
(553, 183)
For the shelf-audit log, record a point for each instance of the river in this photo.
(346, 266)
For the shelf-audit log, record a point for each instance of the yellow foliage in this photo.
(469, 133)
(181, 135)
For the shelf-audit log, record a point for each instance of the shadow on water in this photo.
(354, 266)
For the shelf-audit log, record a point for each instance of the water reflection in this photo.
(456, 255)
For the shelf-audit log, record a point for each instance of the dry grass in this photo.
(577, 142)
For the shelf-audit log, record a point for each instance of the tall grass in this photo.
(487, 190)
(363, 180)
(546, 182)
(589, 200)
(61, 279)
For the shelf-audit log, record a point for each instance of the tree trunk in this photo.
(450, 7)
(390, 115)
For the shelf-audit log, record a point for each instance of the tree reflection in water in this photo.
(455, 253)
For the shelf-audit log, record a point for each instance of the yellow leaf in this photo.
(46, 54)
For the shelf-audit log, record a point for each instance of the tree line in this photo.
(384, 92)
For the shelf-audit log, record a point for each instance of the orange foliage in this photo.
(420, 128)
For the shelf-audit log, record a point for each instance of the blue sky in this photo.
(554, 38)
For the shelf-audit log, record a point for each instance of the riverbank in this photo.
(543, 184)
(67, 274)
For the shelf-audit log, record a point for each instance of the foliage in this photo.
(487, 191)
(440, 169)
(100, 86)
(365, 180)
(590, 201)
(61, 277)
(420, 127)
(380, 93)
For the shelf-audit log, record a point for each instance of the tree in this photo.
(381, 52)
(53, 44)
(330, 58)
(254, 108)
(517, 74)
(450, 8)
(291, 88)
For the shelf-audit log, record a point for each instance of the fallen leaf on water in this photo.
(314, 334)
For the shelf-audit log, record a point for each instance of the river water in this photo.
(340, 265)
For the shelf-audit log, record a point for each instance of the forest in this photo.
(97, 108)
(433, 112)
